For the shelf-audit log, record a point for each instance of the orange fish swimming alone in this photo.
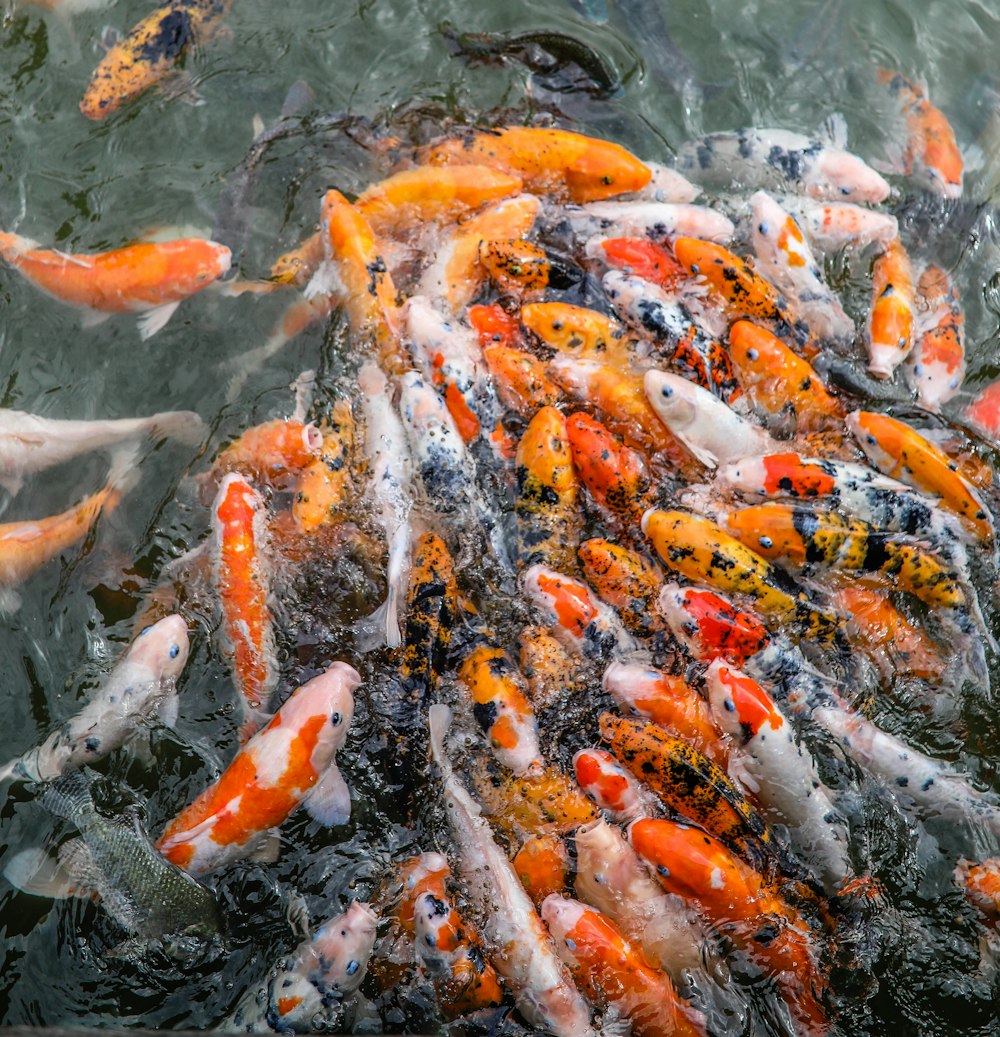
(151, 278)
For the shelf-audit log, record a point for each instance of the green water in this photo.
(86, 187)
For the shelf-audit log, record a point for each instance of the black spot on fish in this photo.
(788, 163)
(705, 155)
(902, 781)
(486, 714)
(174, 33)
(92, 744)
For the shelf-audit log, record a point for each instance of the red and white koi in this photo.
(832, 226)
(783, 774)
(612, 787)
(983, 412)
(527, 958)
(290, 762)
(151, 278)
(709, 626)
(937, 363)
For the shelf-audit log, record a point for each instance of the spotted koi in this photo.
(710, 627)
(890, 324)
(325, 487)
(627, 581)
(937, 363)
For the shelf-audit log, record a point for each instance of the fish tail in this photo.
(185, 426)
(438, 723)
(12, 245)
(968, 657)
(399, 554)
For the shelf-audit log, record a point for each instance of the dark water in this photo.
(686, 68)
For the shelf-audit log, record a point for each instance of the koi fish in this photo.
(612, 787)
(536, 803)
(626, 581)
(495, 326)
(781, 160)
(787, 782)
(391, 471)
(657, 221)
(113, 859)
(288, 763)
(709, 428)
(981, 885)
(566, 165)
(705, 553)
(151, 278)
(320, 973)
(243, 590)
(688, 782)
(899, 451)
(611, 877)
(324, 487)
(547, 503)
(781, 384)
(528, 962)
(578, 331)
(734, 898)
(615, 974)
(832, 226)
(519, 269)
(547, 666)
(147, 55)
(501, 708)
(667, 185)
(30, 443)
(938, 358)
(582, 622)
(785, 259)
(983, 413)
(930, 154)
(643, 259)
(142, 685)
(890, 323)
(541, 864)
(670, 703)
(709, 627)
(521, 380)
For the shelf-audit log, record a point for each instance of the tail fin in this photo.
(183, 425)
(439, 723)
(38, 873)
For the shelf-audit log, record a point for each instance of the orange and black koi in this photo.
(710, 627)
(536, 804)
(626, 581)
(547, 666)
(325, 487)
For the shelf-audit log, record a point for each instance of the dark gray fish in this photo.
(543, 52)
(115, 858)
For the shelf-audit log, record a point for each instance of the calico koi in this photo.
(627, 581)
(938, 358)
(709, 627)
(890, 324)
(613, 788)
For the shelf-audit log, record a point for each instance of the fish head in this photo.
(710, 626)
(768, 529)
(194, 263)
(602, 169)
(163, 647)
(844, 176)
(740, 706)
(756, 351)
(674, 399)
(561, 915)
(604, 779)
(568, 601)
(436, 923)
(341, 948)
(321, 711)
(880, 438)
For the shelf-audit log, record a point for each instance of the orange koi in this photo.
(645, 259)
(697, 867)
(151, 278)
(501, 708)
(547, 501)
(521, 380)
(938, 358)
(494, 326)
(670, 703)
(149, 52)
(890, 324)
(710, 627)
(612, 787)
(577, 330)
(542, 865)
(517, 268)
(242, 587)
(614, 973)
(899, 451)
(325, 486)
(615, 475)
(690, 783)
(779, 382)
(547, 666)
(626, 581)
(550, 161)
(290, 762)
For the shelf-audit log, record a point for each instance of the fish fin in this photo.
(178, 85)
(973, 158)
(151, 321)
(297, 914)
(324, 282)
(141, 744)
(896, 161)
(707, 458)
(185, 426)
(123, 472)
(438, 723)
(833, 131)
(110, 37)
(300, 95)
(269, 848)
(304, 388)
(257, 126)
(39, 874)
(12, 483)
(92, 318)
(10, 601)
(169, 710)
(329, 800)
(741, 774)
(370, 631)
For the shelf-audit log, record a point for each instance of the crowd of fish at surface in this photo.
(774, 553)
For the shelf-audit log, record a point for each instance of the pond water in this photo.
(686, 68)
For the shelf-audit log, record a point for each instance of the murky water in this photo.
(689, 67)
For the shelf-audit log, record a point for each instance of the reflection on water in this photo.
(385, 68)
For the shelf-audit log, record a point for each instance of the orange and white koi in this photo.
(734, 898)
(614, 974)
(710, 627)
(611, 877)
(149, 52)
(785, 775)
(930, 154)
(670, 703)
(455, 275)
(391, 473)
(290, 762)
(325, 486)
(832, 226)
(241, 580)
(705, 553)
(937, 363)
(566, 165)
(657, 221)
(547, 504)
(527, 960)
(614, 789)
(707, 426)
(890, 323)
(542, 864)
(627, 581)
(151, 278)
(780, 160)
(321, 972)
(579, 619)
(899, 451)
(785, 259)
(500, 705)
(983, 412)
(615, 475)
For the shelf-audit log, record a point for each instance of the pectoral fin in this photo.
(39, 874)
(329, 802)
(153, 320)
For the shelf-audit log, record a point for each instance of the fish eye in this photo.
(766, 542)
(336, 719)
(352, 967)
(762, 227)
(752, 354)
(667, 392)
(175, 650)
(730, 706)
(845, 190)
